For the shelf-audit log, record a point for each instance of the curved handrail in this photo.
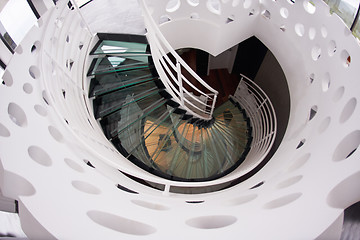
(200, 103)
(262, 116)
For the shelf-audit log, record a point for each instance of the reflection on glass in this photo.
(345, 9)
(17, 18)
(5, 37)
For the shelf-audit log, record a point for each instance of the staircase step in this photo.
(119, 47)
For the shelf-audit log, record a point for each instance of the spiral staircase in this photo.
(140, 118)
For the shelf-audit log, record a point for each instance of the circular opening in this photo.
(348, 110)
(324, 124)
(345, 57)
(332, 48)
(313, 112)
(164, 19)
(257, 185)
(120, 224)
(252, 12)
(299, 29)
(85, 187)
(347, 146)
(73, 165)
(323, 31)
(27, 87)
(7, 78)
(125, 189)
(45, 97)
(326, 82)
(193, 3)
(195, 201)
(338, 94)
(214, 6)
(230, 18)
(149, 205)
(87, 162)
(211, 222)
(312, 33)
(311, 78)
(40, 156)
(301, 143)
(316, 52)
(309, 6)
(4, 132)
(173, 5)
(35, 47)
(298, 163)
(34, 72)
(55, 134)
(291, 1)
(81, 45)
(282, 201)
(289, 182)
(266, 14)
(284, 12)
(40, 110)
(247, 4)
(17, 115)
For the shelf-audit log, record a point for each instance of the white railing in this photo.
(178, 78)
(262, 116)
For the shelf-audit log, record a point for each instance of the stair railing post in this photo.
(213, 105)
(179, 77)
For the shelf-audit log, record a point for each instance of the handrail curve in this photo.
(260, 110)
(198, 102)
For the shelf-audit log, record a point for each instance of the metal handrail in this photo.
(262, 116)
(193, 100)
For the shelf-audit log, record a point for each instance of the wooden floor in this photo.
(219, 79)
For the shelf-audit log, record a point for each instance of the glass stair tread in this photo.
(133, 111)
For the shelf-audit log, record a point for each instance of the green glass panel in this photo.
(130, 115)
(111, 87)
(109, 46)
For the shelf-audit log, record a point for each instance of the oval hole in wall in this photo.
(149, 205)
(173, 5)
(282, 201)
(17, 114)
(120, 224)
(7, 78)
(40, 156)
(348, 110)
(313, 112)
(325, 84)
(211, 222)
(347, 146)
